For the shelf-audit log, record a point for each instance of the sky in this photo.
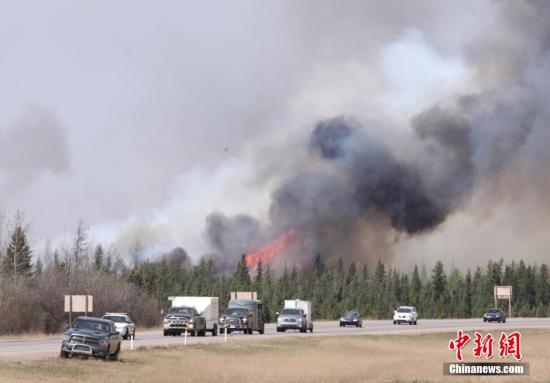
(142, 118)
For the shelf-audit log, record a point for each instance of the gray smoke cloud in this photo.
(465, 143)
(33, 144)
(408, 131)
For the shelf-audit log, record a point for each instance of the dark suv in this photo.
(495, 315)
(91, 337)
(351, 318)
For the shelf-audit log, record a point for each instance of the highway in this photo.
(34, 348)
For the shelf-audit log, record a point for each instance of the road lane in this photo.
(45, 347)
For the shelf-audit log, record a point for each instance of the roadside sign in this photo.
(79, 304)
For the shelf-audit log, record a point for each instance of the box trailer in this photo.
(302, 305)
(208, 307)
(255, 318)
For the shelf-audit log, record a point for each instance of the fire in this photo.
(270, 250)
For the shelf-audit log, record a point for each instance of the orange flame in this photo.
(270, 250)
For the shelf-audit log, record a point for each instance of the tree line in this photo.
(375, 294)
(32, 289)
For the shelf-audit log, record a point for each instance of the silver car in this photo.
(124, 325)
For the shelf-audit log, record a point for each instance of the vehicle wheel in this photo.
(193, 333)
(116, 354)
(311, 329)
(63, 354)
(250, 331)
(416, 322)
(278, 329)
(394, 322)
(504, 321)
(165, 333)
(261, 331)
(215, 330)
(203, 332)
(484, 320)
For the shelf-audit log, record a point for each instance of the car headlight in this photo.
(103, 342)
(66, 337)
(355, 320)
(221, 320)
(342, 319)
(300, 319)
(244, 320)
(190, 321)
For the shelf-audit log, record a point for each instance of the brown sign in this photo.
(79, 303)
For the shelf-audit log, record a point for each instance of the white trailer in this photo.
(206, 306)
(303, 305)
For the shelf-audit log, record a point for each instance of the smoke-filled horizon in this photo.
(404, 132)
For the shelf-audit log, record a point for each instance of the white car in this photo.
(124, 325)
(405, 314)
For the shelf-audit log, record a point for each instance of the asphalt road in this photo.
(31, 348)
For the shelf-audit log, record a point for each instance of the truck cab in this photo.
(251, 309)
(181, 319)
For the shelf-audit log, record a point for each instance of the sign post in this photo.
(78, 304)
(504, 292)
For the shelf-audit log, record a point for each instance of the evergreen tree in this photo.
(18, 254)
(241, 277)
(416, 288)
(98, 258)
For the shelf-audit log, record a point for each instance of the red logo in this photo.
(459, 343)
(508, 345)
(484, 345)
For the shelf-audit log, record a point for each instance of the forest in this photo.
(32, 287)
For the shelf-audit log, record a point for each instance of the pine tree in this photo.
(468, 295)
(241, 277)
(18, 254)
(416, 288)
(98, 258)
(38, 266)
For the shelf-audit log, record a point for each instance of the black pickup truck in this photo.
(91, 337)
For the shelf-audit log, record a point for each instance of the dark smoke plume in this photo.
(356, 184)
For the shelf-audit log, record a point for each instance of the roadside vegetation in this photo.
(32, 285)
(292, 359)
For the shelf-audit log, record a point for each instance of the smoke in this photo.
(355, 185)
(33, 144)
(394, 130)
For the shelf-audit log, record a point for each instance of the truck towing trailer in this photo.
(296, 315)
(244, 313)
(207, 307)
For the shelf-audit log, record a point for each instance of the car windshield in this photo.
(116, 318)
(235, 311)
(91, 325)
(404, 310)
(494, 311)
(291, 312)
(350, 314)
(181, 311)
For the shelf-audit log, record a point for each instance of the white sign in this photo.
(78, 303)
(503, 292)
